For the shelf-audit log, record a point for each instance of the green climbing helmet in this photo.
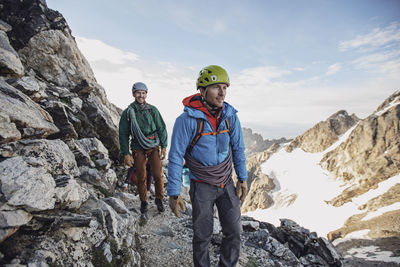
(211, 75)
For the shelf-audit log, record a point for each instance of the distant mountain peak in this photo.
(324, 134)
(255, 143)
(391, 101)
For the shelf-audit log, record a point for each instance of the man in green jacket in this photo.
(143, 122)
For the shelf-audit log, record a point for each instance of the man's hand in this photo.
(241, 189)
(174, 202)
(163, 152)
(128, 160)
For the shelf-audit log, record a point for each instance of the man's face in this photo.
(215, 94)
(140, 96)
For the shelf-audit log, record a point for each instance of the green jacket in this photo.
(149, 121)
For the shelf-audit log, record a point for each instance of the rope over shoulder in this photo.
(137, 133)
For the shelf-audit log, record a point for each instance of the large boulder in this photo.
(26, 186)
(38, 174)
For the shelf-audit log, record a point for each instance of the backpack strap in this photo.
(200, 126)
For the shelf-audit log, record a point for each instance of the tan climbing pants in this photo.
(140, 159)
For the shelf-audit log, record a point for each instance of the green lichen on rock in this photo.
(252, 262)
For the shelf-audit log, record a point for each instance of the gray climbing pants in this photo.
(203, 197)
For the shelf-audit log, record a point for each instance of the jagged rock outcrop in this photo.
(255, 143)
(371, 154)
(49, 54)
(324, 134)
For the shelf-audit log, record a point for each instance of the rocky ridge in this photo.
(371, 154)
(324, 133)
(366, 160)
(255, 143)
(60, 200)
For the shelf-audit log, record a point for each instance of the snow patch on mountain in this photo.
(303, 189)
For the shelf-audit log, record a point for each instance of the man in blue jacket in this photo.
(209, 137)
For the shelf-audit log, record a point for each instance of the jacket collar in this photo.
(195, 108)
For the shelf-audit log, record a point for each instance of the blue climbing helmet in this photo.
(139, 86)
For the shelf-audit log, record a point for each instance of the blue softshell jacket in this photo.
(210, 150)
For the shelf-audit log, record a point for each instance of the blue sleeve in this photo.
(181, 137)
(237, 143)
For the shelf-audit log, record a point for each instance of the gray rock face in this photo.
(10, 64)
(324, 134)
(61, 119)
(12, 218)
(46, 48)
(29, 118)
(30, 87)
(53, 155)
(26, 186)
(54, 55)
(38, 174)
(90, 152)
(104, 121)
(8, 130)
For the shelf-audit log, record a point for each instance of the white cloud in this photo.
(334, 68)
(376, 38)
(262, 95)
(94, 50)
(385, 62)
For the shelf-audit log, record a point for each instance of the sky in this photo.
(291, 63)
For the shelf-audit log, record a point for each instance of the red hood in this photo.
(194, 101)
